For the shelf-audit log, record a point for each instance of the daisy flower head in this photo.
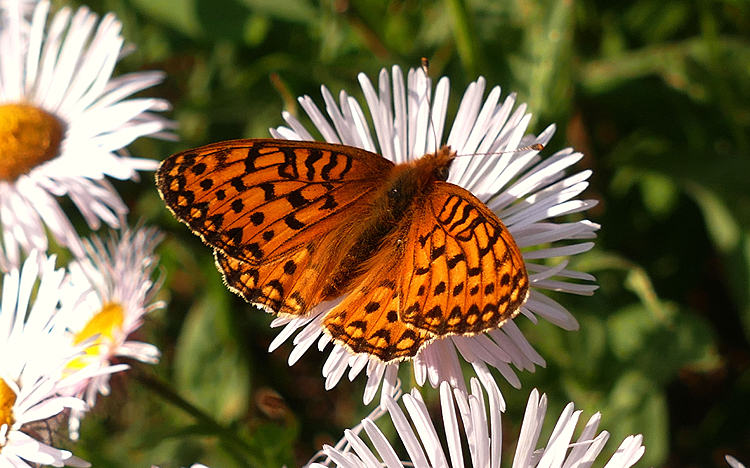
(500, 165)
(34, 389)
(469, 421)
(115, 279)
(65, 123)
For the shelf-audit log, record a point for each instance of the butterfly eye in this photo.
(394, 194)
(441, 173)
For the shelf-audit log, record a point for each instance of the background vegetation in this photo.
(655, 93)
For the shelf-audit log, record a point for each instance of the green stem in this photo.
(227, 437)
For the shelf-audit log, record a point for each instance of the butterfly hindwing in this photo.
(367, 319)
(256, 200)
(272, 285)
(466, 272)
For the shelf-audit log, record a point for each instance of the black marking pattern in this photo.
(256, 202)
(276, 191)
(469, 276)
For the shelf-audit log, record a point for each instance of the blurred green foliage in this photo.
(655, 93)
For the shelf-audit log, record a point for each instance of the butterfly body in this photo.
(388, 215)
(297, 224)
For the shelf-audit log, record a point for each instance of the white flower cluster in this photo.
(64, 125)
(469, 421)
(60, 332)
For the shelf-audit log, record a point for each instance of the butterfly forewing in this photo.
(258, 200)
(467, 274)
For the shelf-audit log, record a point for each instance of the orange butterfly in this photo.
(296, 223)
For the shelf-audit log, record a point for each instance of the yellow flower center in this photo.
(7, 400)
(105, 324)
(29, 136)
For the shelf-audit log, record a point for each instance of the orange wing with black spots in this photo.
(258, 200)
(450, 268)
(294, 283)
(278, 286)
(294, 224)
(368, 320)
(466, 274)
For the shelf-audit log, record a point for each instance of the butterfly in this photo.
(407, 257)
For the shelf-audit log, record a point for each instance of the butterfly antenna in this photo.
(426, 66)
(426, 69)
(431, 124)
(533, 147)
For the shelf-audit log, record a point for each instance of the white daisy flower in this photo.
(523, 189)
(482, 436)
(116, 278)
(34, 389)
(64, 124)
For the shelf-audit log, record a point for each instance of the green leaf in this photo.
(298, 11)
(719, 220)
(181, 15)
(210, 369)
(659, 193)
(636, 406)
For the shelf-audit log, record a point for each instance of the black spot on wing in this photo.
(237, 205)
(314, 156)
(455, 260)
(296, 199)
(238, 184)
(217, 220)
(290, 267)
(199, 168)
(206, 183)
(330, 202)
(257, 218)
(422, 271)
(437, 252)
(268, 190)
(234, 236)
(293, 222)
(288, 169)
(254, 250)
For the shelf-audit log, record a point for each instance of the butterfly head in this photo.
(437, 164)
